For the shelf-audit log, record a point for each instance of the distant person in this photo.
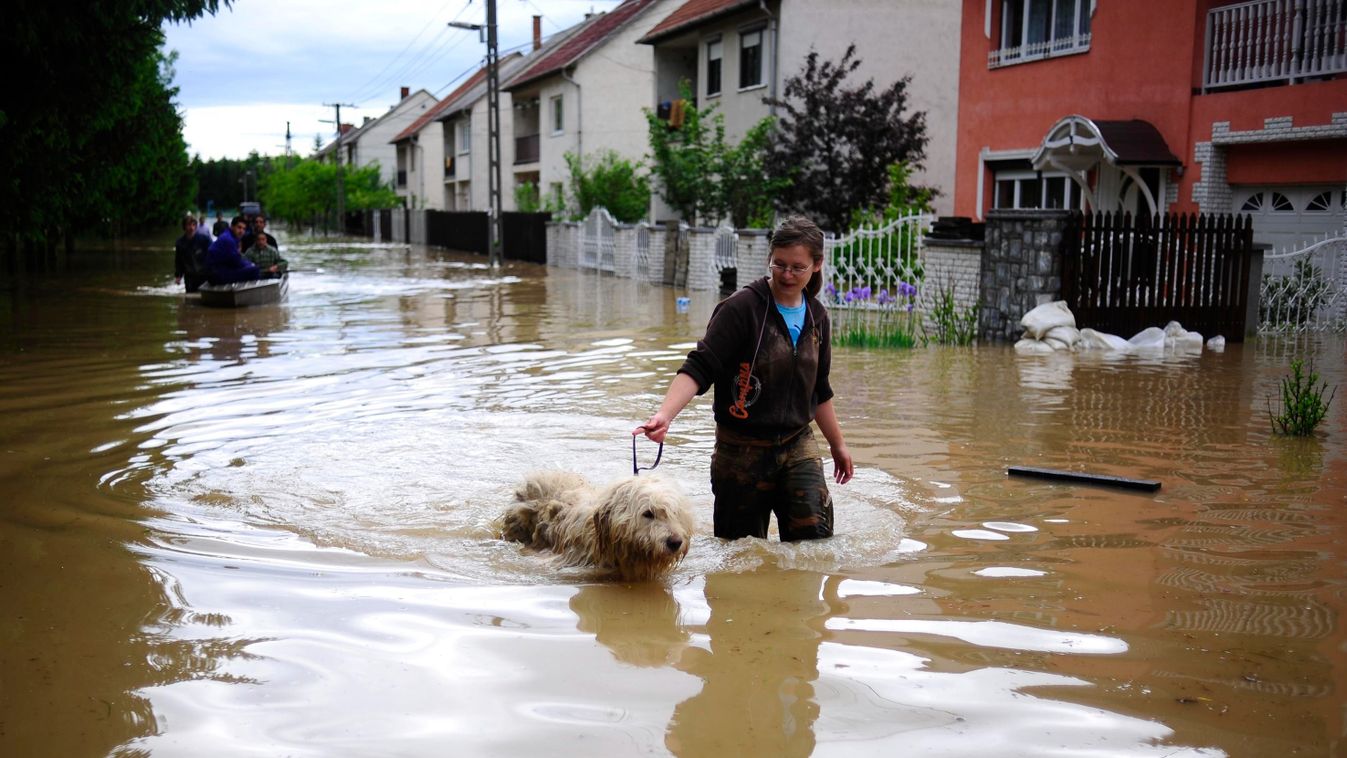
(259, 226)
(266, 257)
(220, 225)
(224, 263)
(189, 256)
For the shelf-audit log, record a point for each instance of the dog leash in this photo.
(636, 470)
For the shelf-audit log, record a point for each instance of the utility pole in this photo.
(492, 125)
(341, 174)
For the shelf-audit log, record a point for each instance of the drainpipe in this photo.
(771, 28)
(579, 132)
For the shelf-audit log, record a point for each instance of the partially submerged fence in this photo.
(1305, 290)
(1122, 274)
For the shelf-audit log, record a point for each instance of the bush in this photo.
(613, 182)
(1303, 404)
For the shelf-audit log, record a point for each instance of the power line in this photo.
(395, 59)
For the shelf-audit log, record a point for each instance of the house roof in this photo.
(691, 14)
(438, 108)
(587, 37)
(462, 101)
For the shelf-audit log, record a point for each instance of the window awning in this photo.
(1077, 145)
(1078, 142)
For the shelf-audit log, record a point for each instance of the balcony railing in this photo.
(526, 149)
(1049, 48)
(1274, 41)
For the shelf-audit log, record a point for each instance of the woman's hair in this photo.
(798, 230)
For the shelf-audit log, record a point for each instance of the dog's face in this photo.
(644, 525)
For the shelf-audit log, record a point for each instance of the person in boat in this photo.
(189, 255)
(266, 257)
(224, 263)
(767, 351)
(259, 228)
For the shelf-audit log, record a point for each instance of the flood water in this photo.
(269, 532)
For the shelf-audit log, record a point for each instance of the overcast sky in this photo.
(243, 73)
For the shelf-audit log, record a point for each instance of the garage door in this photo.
(1289, 216)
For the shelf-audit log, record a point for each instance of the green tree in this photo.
(835, 142)
(88, 116)
(702, 176)
(610, 181)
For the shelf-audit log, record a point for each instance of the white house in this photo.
(586, 95)
(371, 141)
(736, 52)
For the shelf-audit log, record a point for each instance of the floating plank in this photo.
(1148, 485)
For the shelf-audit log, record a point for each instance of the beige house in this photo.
(736, 52)
(371, 141)
(585, 96)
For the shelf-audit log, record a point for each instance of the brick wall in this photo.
(950, 265)
(1021, 268)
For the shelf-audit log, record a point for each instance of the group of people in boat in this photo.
(244, 251)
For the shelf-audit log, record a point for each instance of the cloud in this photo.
(282, 60)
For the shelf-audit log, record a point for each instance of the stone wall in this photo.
(1021, 268)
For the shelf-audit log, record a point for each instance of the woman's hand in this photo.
(654, 429)
(842, 466)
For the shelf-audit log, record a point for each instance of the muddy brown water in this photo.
(268, 532)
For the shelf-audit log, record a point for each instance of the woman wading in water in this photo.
(767, 352)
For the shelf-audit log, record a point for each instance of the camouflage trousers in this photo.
(753, 479)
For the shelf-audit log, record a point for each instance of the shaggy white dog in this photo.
(637, 528)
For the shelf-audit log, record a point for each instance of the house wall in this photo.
(893, 38)
(1145, 61)
(373, 144)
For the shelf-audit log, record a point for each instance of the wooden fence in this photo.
(524, 236)
(1122, 274)
(468, 231)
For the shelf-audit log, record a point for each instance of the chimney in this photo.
(405, 92)
(537, 32)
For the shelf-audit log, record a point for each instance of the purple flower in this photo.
(909, 307)
(851, 296)
(865, 293)
(884, 297)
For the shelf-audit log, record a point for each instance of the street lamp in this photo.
(492, 123)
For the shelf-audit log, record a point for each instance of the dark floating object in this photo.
(1148, 485)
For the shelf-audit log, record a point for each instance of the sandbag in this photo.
(1092, 340)
(1033, 347)
(1038, 321)
(1217, 343)
(1069, 335)
(1150, 337)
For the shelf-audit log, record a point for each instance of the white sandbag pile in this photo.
(1051, 328)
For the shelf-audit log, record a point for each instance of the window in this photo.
(1036, 29)
(1030, 189)
(1320, 203)
(464, 136)
(750, 59)
(713, 56)
(558, 121)
(1275, 202)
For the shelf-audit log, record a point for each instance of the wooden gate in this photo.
(1122, 274)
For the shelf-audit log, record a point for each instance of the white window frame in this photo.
(1018, 176)
(761, 31)
(464, 136)
(1012, 43)
(716, 45)
(557, 114)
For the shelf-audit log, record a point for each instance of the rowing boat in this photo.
(240, 294)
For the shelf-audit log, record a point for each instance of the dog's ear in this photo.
(603, 528)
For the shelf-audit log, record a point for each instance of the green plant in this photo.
(1291, 301)
(610, 181)
(1302, 403)
(526, 198)
(953, 325)
(863, 318)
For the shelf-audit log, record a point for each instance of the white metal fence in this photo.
(1274, 40)
(1305, 290)
(876, 266)
(597, 245)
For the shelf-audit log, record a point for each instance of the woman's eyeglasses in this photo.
(792, 270)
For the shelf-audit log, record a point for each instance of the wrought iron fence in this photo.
(597, 240)
(1305, 290)
(874, 265)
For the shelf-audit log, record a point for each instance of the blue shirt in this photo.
(794, 320)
